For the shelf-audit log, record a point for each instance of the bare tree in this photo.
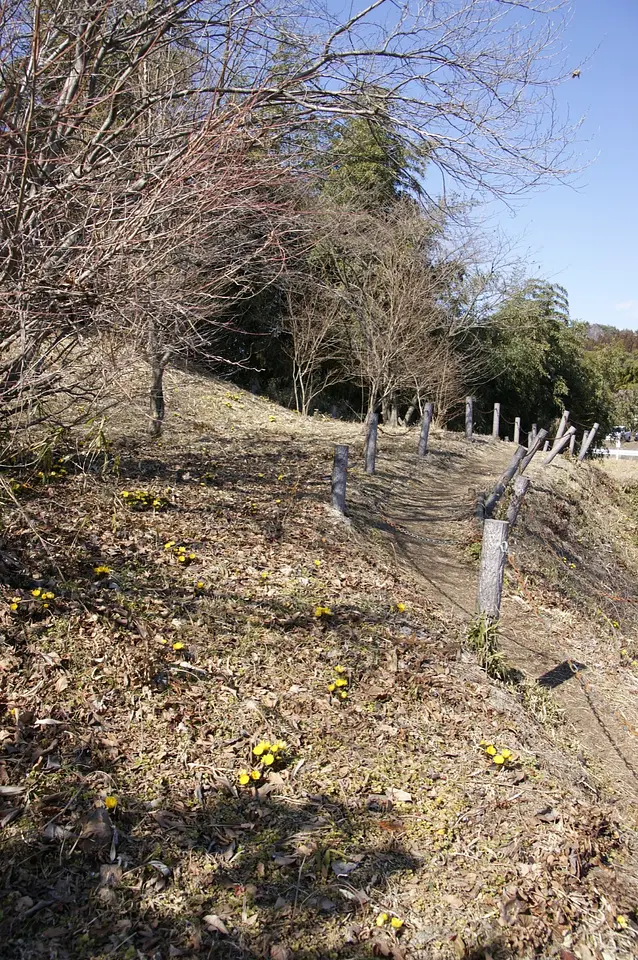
(139, 138)
(313, 320)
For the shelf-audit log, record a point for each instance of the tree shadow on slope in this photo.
(258, 878)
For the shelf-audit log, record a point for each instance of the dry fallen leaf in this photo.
(97, 831)
(213, 922)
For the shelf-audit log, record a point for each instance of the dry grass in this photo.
(151, 684)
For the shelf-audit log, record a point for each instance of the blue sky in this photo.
(586, 236)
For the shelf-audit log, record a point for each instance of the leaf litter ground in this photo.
(133, 701)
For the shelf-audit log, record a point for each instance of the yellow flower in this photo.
(340, 669)
(178, 645)
(278, 745)
(125, 494)
(13, 606)
(191, 556)
(36, 593)
(490, 750)
(48, 596)
(101, 569)
(255, 774)
(622, 921)
(317, 563)
(200, 584)
(46, 606)
(343, 694)
(268, 759)
(400, 607)
(322, 611)
(499, 760)
(262, 747)
(396, 923)
(243, 777)
(169, 544)
(110, 803)
(181, 549)
(281, 476)
(382, 918)
(341, 682)
(271, 419)
(181, 558)
(331, 687)
(506, 754)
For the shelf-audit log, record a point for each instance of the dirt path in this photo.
(425, 509)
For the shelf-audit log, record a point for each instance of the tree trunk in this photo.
(158, 359)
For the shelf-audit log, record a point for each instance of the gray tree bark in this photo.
(339, 477)
(518, 494)
(425, 429)
(493, 557)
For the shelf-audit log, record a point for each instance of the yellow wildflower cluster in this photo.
(395, 922)
(322, 612)
(399, 607)
(500, 756)
(101, 570)
(38, 595)
(141, 500)
(339, 686)
(267, 754)
(43, 596)
(180, 552)
(110, 803)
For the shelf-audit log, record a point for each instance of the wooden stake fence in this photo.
(493, 557)
(425, 429)
(518, 495)
(339, 477)
(559, 445)
(496, 422)
(371, 443)
(517, 429)
(469, 425)
(588, 439)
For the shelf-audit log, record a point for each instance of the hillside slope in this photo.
(133, 700)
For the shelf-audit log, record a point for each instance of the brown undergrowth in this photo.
(206, 600)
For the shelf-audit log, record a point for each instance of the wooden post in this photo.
(532, 450)
(493, 557)
(584, 440)
(502, 482)
(339, 477)
(517, 430)
(469, 403)
(587, 442)
(530, 440)
(534, 430)
(496, 422)
(546, 446)
(371, 443)
(518, 494)
(562, 426)
(425, 429)
(558, 446)
(572, 444)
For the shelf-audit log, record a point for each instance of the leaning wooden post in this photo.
(562, 426)
(532, 450)
(572, 444)
(496, 421)
(546, 446)
(502, 482)
(425, 429)
(518, 495)
(534, 430)
(339, 477)
(587, 442)
(493, 557)
(517, 429)
(469, 403)
(371, 443)
(558, 446)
